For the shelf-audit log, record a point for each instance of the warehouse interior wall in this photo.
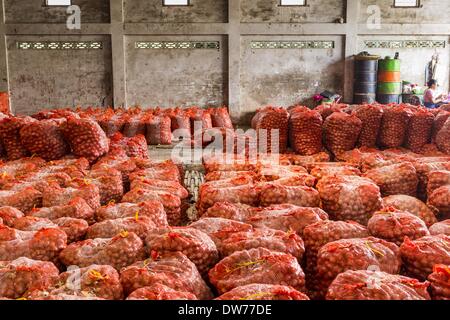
(240, 53)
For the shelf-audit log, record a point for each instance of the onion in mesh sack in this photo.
(376, 285)
(10, 136)
(395, 179)
(152, 209)
(443, 138)
(305, 131)
(272, 119)
(440, 282)
(275, 193)
(442, 227)
(160, 292)
(394, 126)
(263, 292)
(172, 269)
(195, 244)
(370, 116)
(76, 208)
(23, 275)
(44, 139)
(220, 118)
(420, 255)
(355, 254)
(349, 197)
(341, 132)
(24, 200)
(258, 265)
(118, 252)
(439, 122)
(440, 199)
(419, 129)
(393, 225)
(57, 196)
(9, 215)
(411, 205)
(44, 244)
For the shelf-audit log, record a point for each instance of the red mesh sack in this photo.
(223, 175)
(44, 295)
(437, 179)
(9, 215)
(419, 129)
(355, 254)
(152, 209)
(171, 203)
(272, 118)
(74, 228)
(200, 117)
(440, 282)
(23, 200)
(44, 139)
(327, 110)
(160, 292)
(395, 179)
(285, 217)
(438, 124)
(376, 285)
(42, 245)
(25, 275)
(76, 208)
(10, 136)
(261, 266)
(109, 184)
(220, 118)
(411, 205)
(139, 225)
(134, 124)
(440, 228)
(349, 197)
(440, 199)
(169, 186)
(393, 225)
(370, 116)
(341, 132)
(276, 240)
(273, 193)
(195, 244)
(334, 168)
(180, 120)
(86, 138)
(263, 292)
(305, 131)
(419, 256)
(394, 126)
(172, 269)
(423, 168)
(118, 252)
(123, 164)
(135, 146)
(57, 196)
(158, 130)
(246, 194)
(110, 122)
(219, 229)
(168, 173)
(100, 281)
(228, 210)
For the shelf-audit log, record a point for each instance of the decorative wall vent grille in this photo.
(405, 44)
(292, 44)
(59, 45)
(177, 45)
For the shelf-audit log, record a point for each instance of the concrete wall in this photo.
(287, 77)
(35, 11)
(154, 11)
(172, 77)
(433, 11)
(41, 79)
(271, 11)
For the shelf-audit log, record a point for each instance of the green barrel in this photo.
(389, 88)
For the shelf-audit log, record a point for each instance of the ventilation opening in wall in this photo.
(293, 3)
(52, 3)
(407, 4)
(175, 2)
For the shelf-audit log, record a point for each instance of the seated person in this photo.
(431, 99)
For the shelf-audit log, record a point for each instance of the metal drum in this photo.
(365, 79)
(389, 88)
